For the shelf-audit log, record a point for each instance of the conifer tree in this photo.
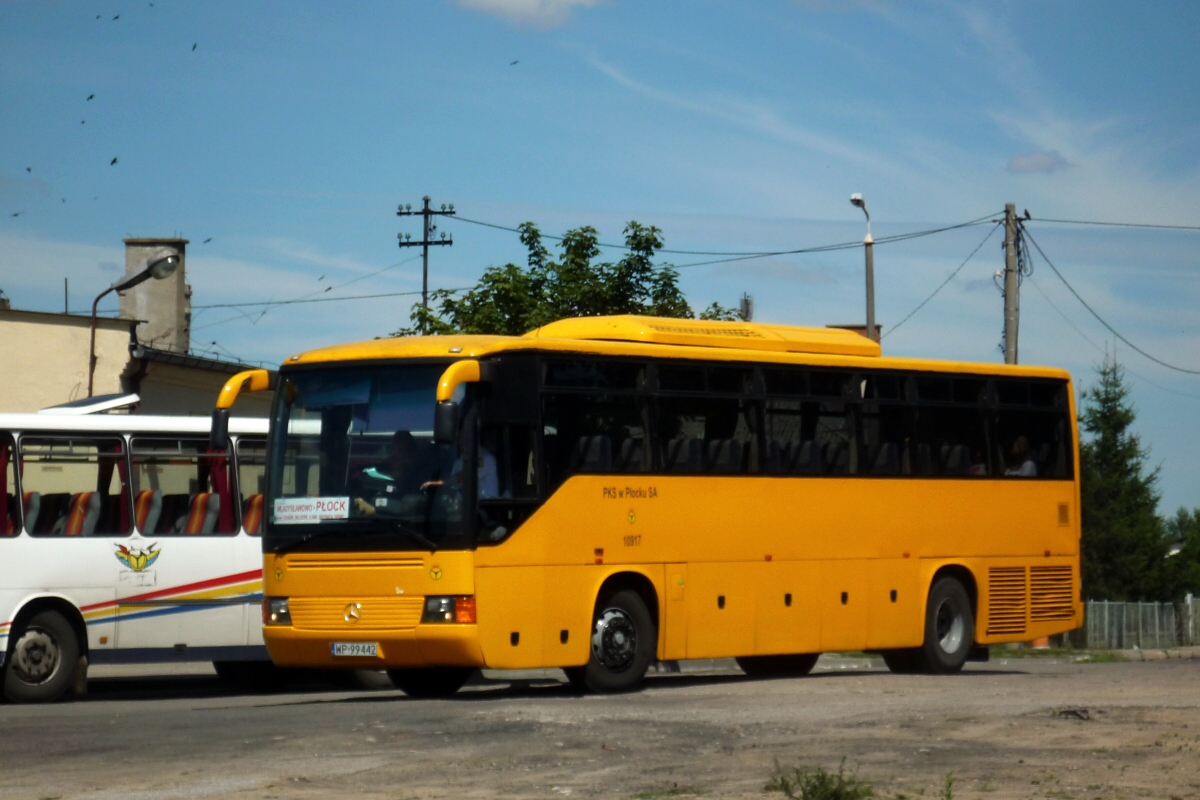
(1123, 539)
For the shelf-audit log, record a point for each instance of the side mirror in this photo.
(445, 422)
(218, 438)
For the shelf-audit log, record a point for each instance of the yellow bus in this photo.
(604, 492)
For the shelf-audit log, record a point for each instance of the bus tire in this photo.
(430, 682)
(904, 662)
(949, 628)
(42, 659)
(783, 666)
(623, 645)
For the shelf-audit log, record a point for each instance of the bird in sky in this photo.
(90, 96)
(514, 63)
(1027, 214)
(64, 199)
(194, 46)
(206, 241)
(329, 288)
(117, 17)
(19, 213)
(83, 122)
(321, 278)
(112, 162)
(29, 169)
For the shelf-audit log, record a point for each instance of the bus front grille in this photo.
(373, 613)
(1006, 600)
(1050, 595)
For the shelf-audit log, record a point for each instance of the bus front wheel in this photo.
(42, 660)
(623, 644)
(949, 627)
(789, 666)
(429, 682)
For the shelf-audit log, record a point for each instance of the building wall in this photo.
(44, 358)
(171, 389)
(163, 306)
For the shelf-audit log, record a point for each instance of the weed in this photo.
(801, 783)
(948, 787)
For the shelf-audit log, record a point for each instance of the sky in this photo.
(279, 138)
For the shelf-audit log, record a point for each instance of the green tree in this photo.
(513, 300)
(1183, 566)
(1124, 545)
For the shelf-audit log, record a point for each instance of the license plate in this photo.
(355, 649)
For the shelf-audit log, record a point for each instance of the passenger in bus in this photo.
(978, 463)
(386, 483)
(488, 477)
(1020, 461)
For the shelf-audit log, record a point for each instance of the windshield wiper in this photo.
(394, 529)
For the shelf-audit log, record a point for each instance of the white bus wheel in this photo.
(949, 627)
(41, 665)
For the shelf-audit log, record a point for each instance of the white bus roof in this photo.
(132, 423)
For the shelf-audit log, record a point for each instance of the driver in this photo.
(387, 483)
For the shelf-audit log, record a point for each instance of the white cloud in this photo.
(540, 13)
(1046, 161)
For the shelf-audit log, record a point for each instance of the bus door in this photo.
(181, 585)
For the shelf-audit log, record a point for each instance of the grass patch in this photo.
(1088, 656)
(802, 783)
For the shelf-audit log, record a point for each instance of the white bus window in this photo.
(76, 485)
(181, 488)
(252, 469)
(10, 513)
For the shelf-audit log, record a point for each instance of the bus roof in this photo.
(132, 423)
(662, 337)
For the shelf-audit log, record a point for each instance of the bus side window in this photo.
(10, 511)
(1032, 430)
(181, 488)
(76, 485)
(597, 433)
(251, 470)
(706, 434)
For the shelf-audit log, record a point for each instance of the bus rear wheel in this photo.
(624, 641)
(430, 682)
(786, 666)
(42, 660)
(949, 628)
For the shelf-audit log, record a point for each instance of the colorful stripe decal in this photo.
(246, 586)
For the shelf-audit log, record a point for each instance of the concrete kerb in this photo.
(1159, 655)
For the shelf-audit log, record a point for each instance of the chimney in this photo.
(164, 305)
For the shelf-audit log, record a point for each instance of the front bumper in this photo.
(422, 646)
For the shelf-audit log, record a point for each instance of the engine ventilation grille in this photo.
(1050, 594)
(1006, 600)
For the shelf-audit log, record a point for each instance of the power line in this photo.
(1092, 311)
(943, 283)
(273, 303)
(1117, 224)
(749, 254)
(1100, 349)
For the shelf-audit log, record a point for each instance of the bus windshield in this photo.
(354, 464)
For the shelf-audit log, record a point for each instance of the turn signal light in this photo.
(464, 610)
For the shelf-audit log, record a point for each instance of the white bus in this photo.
(127, 539)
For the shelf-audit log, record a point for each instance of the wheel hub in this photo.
(614, 642)
(950, 627)
(36, 656)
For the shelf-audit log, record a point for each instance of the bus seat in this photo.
(81, 516)
(683, 455)
(1043, 458)
(591, 454)
(173, 518)
(777, 453)
(146, 510)
(632, 454)
(837, 458)
(202, 514)
(958, 461)
(9, 523)
(32, 502)
(725, 456)
(924, 459)
(887, 461)
(807, 460)
(252, 513)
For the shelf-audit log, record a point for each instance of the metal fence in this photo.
(1124, 626)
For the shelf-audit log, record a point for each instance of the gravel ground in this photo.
(1130, 730)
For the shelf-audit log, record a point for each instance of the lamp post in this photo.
(869, 245)
(158, 266)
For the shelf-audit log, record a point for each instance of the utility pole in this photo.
(406, 241)
(1012, 305)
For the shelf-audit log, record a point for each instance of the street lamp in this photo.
(869, 245)
(158, 266)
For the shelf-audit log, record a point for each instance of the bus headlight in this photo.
(449, 609)
(275, 611)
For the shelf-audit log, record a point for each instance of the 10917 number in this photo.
(633, 541)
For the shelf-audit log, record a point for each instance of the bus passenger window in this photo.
(180, 488)
(10, 512)
(252, 467)
(706, 434)
(75, 487)
(593, 433)
(1032, 438)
